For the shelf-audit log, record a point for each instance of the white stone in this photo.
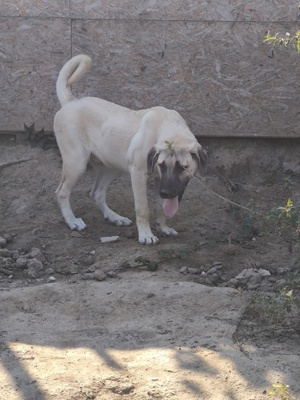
(263, 272)
(109, 239)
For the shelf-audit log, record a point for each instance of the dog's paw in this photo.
(117, 219)
(166, 231)
(148, 239)
(123, 221)
(77, 224)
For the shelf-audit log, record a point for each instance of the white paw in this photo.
(148, 239)
(166, 231)
(123, 221)
(117, 219)
(77, 224)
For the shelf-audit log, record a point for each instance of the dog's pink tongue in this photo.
(170, 207)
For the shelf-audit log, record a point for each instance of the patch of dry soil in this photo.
(81, 320)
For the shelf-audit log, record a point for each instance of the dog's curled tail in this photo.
(70, 73)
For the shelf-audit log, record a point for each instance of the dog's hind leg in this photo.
(161, 225)
(104, 177)
(70, 175)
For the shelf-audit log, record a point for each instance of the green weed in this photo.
(285, 220)
(38, 138)
(284, 40)
(278, 307)
(281, 392)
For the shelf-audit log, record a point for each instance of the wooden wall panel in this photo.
(205, 59)
(224, 81)
(200, 10)
(31, 53)
(35, 8)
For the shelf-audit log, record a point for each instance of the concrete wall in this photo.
(205, 59)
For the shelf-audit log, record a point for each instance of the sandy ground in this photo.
(143, 334)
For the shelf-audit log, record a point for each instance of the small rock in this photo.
(252, 287)
(99, 275)
(193, 270)
(87, 275)
(152, 266)
(254, 281)
(111, 274)
(264, 273)
(21, 263)
(212, 270)
(189, 270)
(6, 262)
(15, 256)
(34, 262)
(230, 249)
(246, 274)
(35, 268)
(66, 267)
(184, 270)
(51, 279)
(217, 263)
(5, 253)
(233, 283)
(90, 269)
(49, 271)
(213, 278)
(252, 277)
(89, 260)
(109, 239)
(36, 253)
(8, 237)
(3, 241)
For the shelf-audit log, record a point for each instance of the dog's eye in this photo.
(162, 165)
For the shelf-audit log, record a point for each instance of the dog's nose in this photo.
(167, 194)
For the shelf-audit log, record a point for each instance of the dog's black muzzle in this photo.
(171, 188)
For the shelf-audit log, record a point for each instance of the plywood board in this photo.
(221, 77)
(205, 59)
(31, 54)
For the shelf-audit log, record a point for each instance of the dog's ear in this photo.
(200, 156)
(151, 160)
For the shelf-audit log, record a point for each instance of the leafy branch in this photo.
(285, 41)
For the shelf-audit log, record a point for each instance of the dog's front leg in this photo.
(139, 188)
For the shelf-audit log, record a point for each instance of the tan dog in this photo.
(113, 138)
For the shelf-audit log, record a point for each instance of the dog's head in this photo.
(176, 165)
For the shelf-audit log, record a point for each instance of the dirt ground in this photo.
(80, 319)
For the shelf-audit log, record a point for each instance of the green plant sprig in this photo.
(285, 41)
